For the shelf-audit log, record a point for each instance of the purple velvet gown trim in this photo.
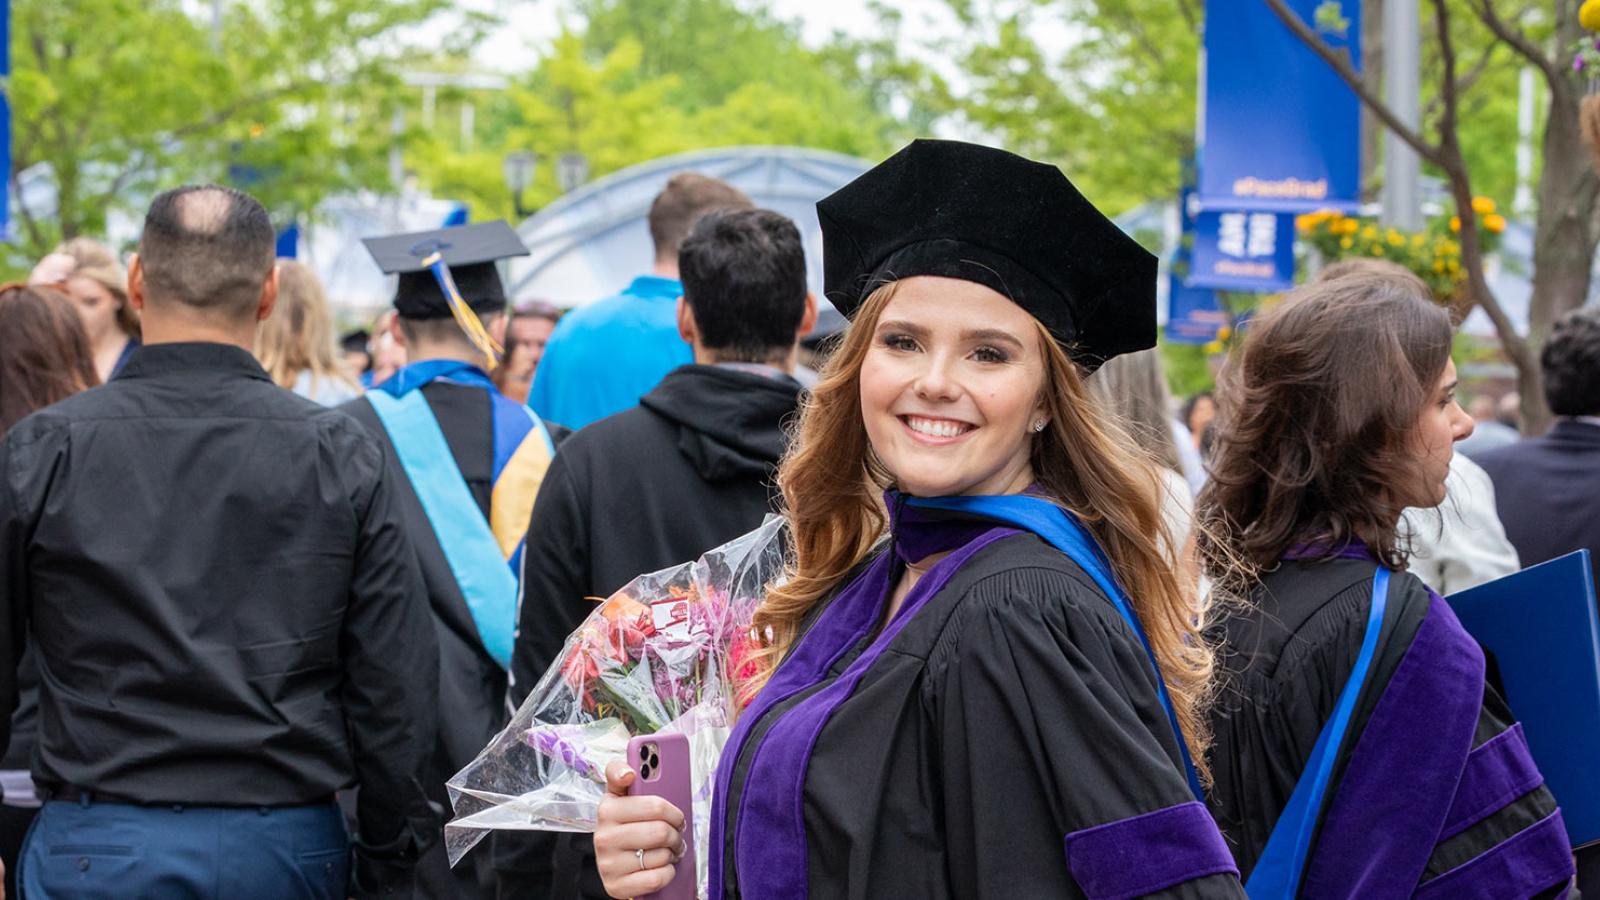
(1404, 773)
(1320, 551)
(1146, 853)
(769, 843)
(1498, 772)
(1538, 855)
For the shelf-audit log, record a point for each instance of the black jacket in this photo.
(217, 588)
(688, 469)
(471, 684)
(1547, 490)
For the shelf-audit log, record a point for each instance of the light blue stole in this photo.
(470, 546)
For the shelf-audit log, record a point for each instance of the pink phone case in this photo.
(662, 761)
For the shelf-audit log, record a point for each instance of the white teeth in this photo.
(935, 427)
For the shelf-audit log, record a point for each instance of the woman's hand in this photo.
(628, 825)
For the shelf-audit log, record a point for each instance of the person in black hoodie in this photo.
(686, 470)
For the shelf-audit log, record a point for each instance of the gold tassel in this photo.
(468, 320)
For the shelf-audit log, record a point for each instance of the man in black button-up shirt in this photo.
(227, 615)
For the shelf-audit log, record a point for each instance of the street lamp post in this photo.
(572, 170)
(519, 170)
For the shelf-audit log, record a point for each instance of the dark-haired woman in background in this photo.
(44, 357)
(1359, 752)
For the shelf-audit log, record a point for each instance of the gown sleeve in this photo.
(1060, 773)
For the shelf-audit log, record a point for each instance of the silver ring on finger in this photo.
(639, 854)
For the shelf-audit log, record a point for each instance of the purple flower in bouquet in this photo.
(564, 744)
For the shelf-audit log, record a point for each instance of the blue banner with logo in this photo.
(1243, 251)
(1280, 131)
(1194, 315)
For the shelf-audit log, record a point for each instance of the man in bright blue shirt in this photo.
(603, 357)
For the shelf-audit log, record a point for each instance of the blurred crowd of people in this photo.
(235, 612)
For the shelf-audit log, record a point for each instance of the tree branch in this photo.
(1455, 168)
(1341, 65)
(1465, 82)
(28, 220)
(222, 116)
(1134, 28)
(1518, 40)
(1190, 17)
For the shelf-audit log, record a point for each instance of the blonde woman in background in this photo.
(89, 273)
(295, 343)
(1133, 387)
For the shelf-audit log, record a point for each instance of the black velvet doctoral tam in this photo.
(1016, 226)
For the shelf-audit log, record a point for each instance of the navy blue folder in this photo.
(1543, 628)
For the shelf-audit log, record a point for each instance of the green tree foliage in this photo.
(1111, 99)
(1111, 96)
(649, 78)
(120, 97)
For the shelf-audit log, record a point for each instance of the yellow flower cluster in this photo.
(1492, 222)
(1433, 255)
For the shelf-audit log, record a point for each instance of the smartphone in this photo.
(662, 761)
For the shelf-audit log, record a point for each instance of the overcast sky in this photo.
(530, 24)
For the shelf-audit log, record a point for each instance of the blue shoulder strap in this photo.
(1282, 864)
(1061, 530)
(469, 545)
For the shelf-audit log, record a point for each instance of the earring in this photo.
(1038, 424)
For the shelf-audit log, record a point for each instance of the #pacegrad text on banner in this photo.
(1280, 131)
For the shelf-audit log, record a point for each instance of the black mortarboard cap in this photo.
(470, 252)
(1011, 224)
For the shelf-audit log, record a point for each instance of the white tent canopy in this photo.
(590, 243)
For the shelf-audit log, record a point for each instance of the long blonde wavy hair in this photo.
(832, 484)
(298, 336)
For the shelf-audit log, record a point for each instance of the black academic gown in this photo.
(472, 686)
(1014, 709)
(1285, 659)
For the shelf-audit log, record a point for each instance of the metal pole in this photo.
(1402, 203)
(1522, 202)
(216, 25)
(397, 160)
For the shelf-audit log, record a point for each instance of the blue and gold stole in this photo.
(485, 556)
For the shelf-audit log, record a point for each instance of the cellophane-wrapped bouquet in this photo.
(658, 656)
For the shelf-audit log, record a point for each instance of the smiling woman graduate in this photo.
(982, 680)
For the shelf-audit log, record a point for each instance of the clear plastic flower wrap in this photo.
(660, 655)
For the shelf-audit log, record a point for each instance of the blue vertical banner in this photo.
(1243, 251)
(1280, 131)
(1195, 315)
(5, 119)
(289, 241)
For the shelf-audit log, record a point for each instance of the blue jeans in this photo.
(78, 849)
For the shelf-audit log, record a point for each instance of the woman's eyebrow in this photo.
(910, 328)
(991, 334)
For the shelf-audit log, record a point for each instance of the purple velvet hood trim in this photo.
(769, 841)
(1411, 778)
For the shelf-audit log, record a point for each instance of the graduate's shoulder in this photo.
(1021, 582)
(626, 442)
(1314, 615)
